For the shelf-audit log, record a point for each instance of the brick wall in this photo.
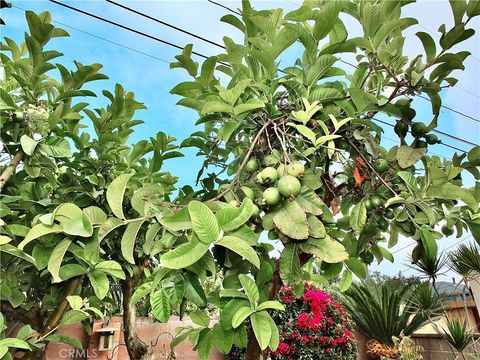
(157, 336)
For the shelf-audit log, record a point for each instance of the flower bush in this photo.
(313, 326)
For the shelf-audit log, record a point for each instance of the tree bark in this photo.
(32, 317)
(10, 169)
(71, 288)
(136, 348)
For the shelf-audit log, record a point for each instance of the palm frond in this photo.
(457, 334)
(382, 311)
(465, 261)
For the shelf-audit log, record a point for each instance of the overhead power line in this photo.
(452, 110)
(103, 39)
(161, 40)
(165, 23)
(138, 32)
(225, 7)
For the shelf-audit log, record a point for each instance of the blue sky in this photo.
(151, 79)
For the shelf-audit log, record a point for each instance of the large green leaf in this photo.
(99, 283)
(141, 291)
(345, 281)
(79, 226)
(28, 144)
(14, 343)
(321, 66)
(129, 238)
(95, 214)
(204, 345)
(429, 243)
(56, 259)
(428, 45)
(250, 289)
(111, 267)
(222, 339)
(204, 222)
(38, 231)
(65, 339)
(108, 226)
(310, 201)
(13, 250)
(261, 328)
(73, 317)
(56, 147)
(237, 217)
(216, 106)
(291, 220)
(290, 268)
(240, 247)
(194, 291)
(407, 156)
(326, 249)
(269, 304)
(453, 192)
(160, 306)
(184, 255)
(178, 221)
(115, 194)
(241, 315)
(358, 217)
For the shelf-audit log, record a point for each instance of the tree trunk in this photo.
(253, 351)
(136, 348)
(71, 288)
(10, 169)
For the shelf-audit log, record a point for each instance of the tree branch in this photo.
(10, 169)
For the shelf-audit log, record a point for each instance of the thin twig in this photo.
(371, 167)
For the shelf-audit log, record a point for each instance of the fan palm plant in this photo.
(382, 311)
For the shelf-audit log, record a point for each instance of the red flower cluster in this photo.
(313, 326)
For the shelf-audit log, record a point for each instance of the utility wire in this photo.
(103, 39)
(150, 36)
(452, 110)
(165, 23)
(444, 106)
(223, 47)
(225, 7)
(125, 27)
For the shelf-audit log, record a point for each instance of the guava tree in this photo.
(298, 140)
(54, 183)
